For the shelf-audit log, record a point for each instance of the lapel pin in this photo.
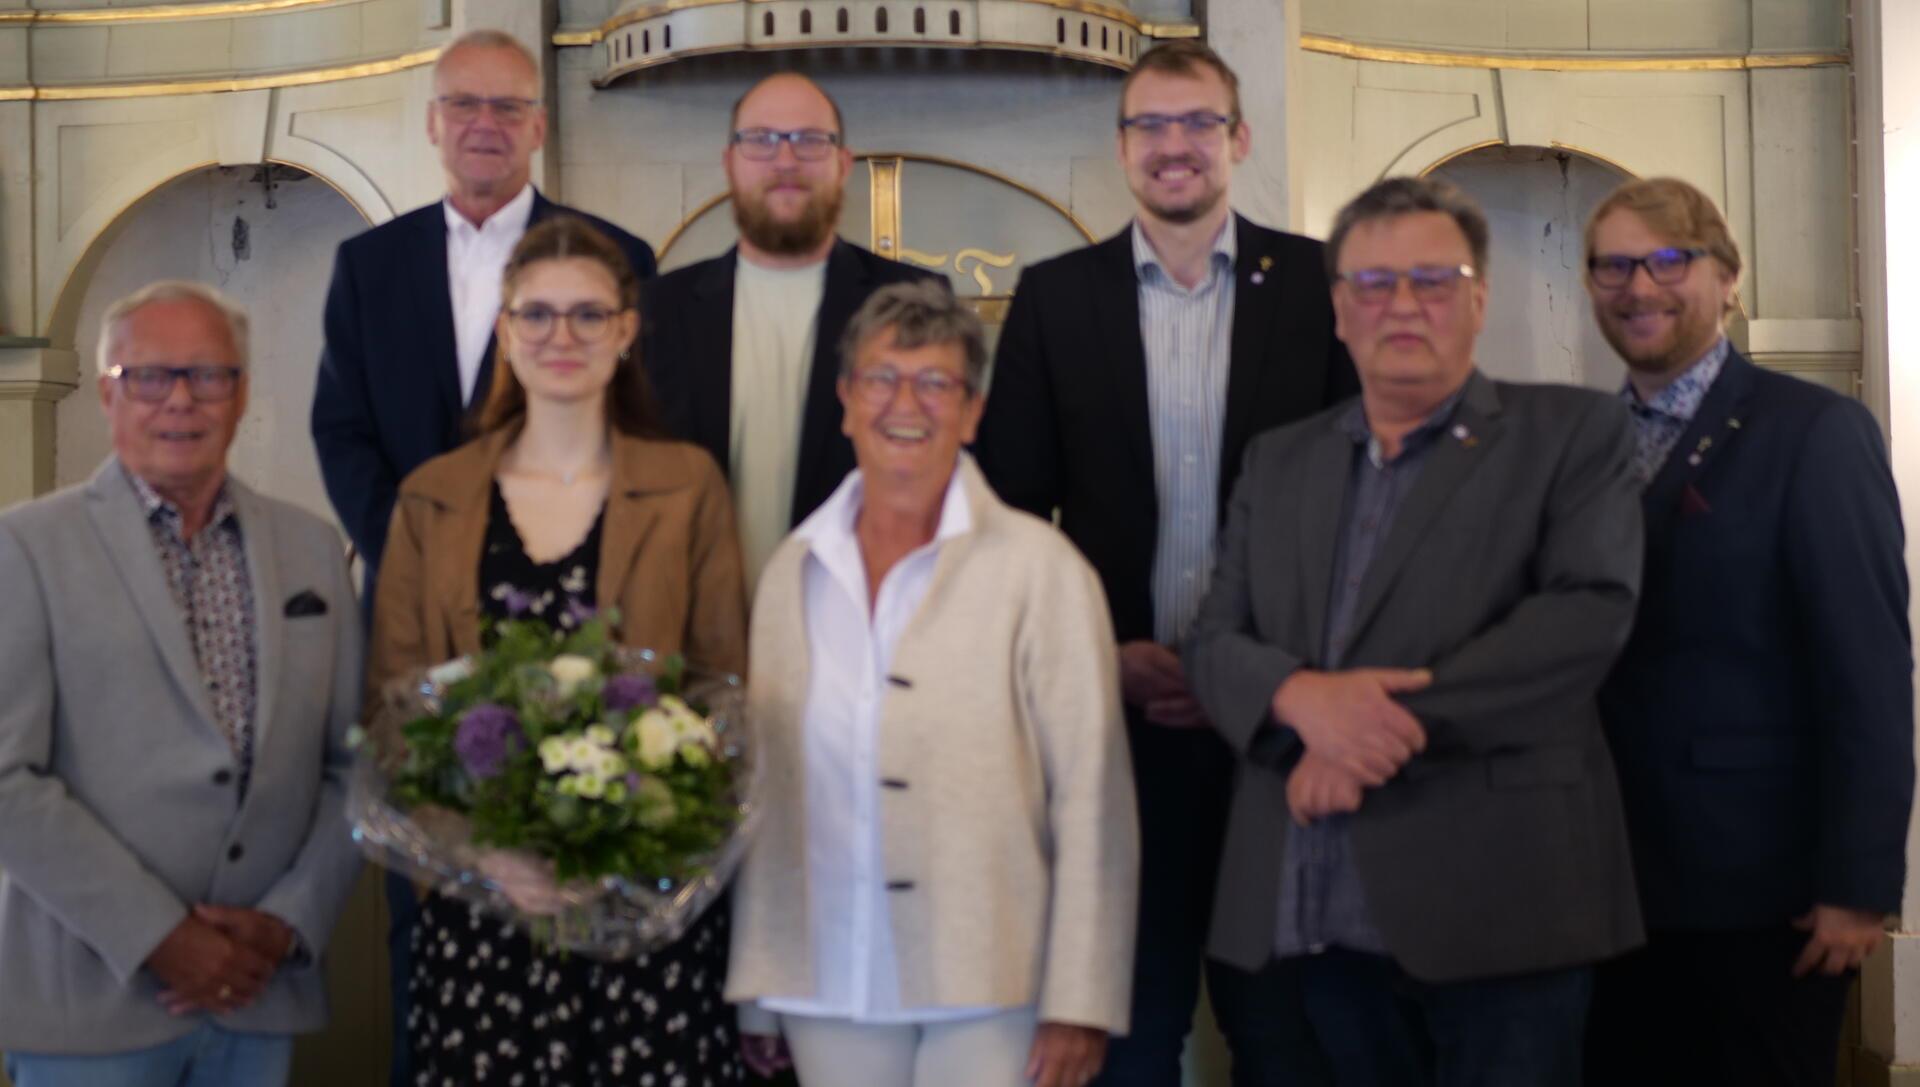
(1266, 264)
(1258, 277)
(1693, 459)
(1464, 436)
(1733, 424)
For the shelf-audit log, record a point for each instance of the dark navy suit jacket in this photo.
(1762, 714)
(388, 397)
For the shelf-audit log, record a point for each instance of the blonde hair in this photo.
(170, 290)
(1678, 210)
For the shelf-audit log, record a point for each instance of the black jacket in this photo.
(388, 397)
(1066, 423)
(687, 347)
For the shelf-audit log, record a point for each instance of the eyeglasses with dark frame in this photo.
(877, 385)
(1429, 282)
(763, 144)
(1666, 267)
(465, 108)
(154, 384)
(1198, 124)
(535, 322)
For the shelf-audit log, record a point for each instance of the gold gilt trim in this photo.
(55, 315)
(900, 157)
(1595, 156)
(938, 160)
(1340, 47)
(1166, 31)
(304, 77)
(706, 205)
(1556, 145)
(1085, 7)
(626, 68)
(883, 176)
(1456, 153)
(159, 12)
(329, 183)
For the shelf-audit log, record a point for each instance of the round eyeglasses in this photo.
(536, 321)
(877, 385)
(153, 384)
(763, 144)
(1664, 266)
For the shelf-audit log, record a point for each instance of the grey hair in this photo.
(921, 312)
(1395, 196)
(488, 38)
(171, 290)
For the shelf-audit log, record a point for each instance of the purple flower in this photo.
(578, 611)
(488, 733)
(518, 602)
(629, 693)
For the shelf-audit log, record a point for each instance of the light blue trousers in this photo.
(206, 1057)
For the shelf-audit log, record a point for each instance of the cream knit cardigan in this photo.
(1008, 832)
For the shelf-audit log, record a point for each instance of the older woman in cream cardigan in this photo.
(942, 891)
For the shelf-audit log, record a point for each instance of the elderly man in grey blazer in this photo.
(181, 661)
(1418, 595)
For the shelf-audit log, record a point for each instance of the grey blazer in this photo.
(1511, 572)
(118, 808)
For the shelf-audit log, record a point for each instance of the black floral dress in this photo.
(490, 1008)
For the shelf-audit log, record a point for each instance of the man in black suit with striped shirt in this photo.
(1128, 379)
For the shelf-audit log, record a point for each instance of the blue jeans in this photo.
(1350, 1018)
(206, 1057)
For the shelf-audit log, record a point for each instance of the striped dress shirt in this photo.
(1188, 337)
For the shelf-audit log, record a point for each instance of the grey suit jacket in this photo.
(118, 806)
(1510, 571)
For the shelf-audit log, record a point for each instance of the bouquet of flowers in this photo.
(600, 794)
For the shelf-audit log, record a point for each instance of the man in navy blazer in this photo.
(1762, 714)
(410, 317)
(410, 314)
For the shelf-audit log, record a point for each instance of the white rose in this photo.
(592, 787)
(569, 671)
(609, 765)
(553, 754)
(600, 734)
(581, 753)
(451, 672)
(682, 715)
(657, 739)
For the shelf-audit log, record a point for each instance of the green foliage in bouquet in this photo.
(548, 743)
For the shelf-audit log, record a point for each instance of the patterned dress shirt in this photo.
(1659, 422)
(209, 580)
(1321, 900)
(1187, 334)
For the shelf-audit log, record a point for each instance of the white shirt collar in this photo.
(832, 524)
(510, 221)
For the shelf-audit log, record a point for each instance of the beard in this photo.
(789, 237)
(1682, 347)
(1198, 207)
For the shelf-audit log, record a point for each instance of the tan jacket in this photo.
(669, 558)
(1008, 832)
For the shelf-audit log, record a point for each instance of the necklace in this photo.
(568, 477)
